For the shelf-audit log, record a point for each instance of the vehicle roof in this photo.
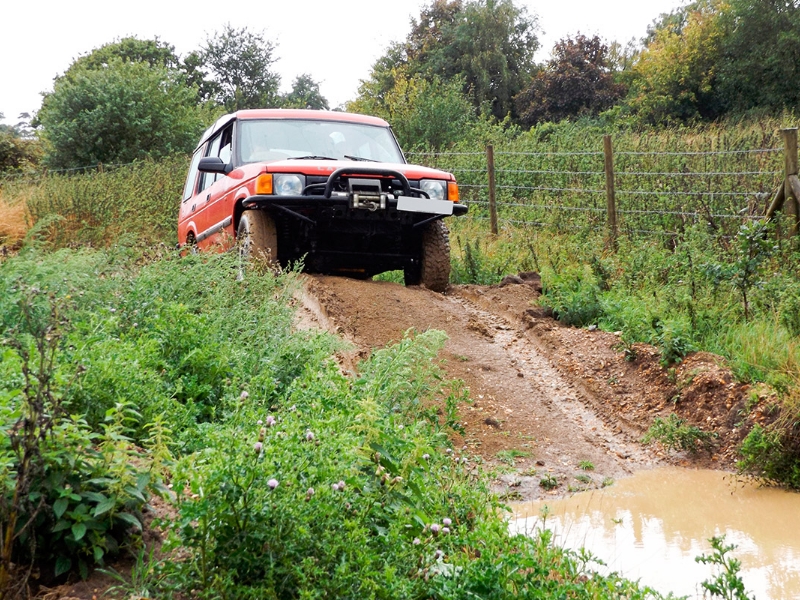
(291, 113)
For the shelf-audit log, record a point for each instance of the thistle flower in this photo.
(438, 554)
(309, 493)
(272, 483)
(341, 485)
(435, 527)
(449, 451)
(244, 395)
(426, 456)
(257, 447)
(447, 522)
(335, 487)
(445, 530)
(416, 542)
(270, 421)
(259, 422)
(309, 435)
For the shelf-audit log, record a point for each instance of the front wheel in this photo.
(433, 271)
(257, 237)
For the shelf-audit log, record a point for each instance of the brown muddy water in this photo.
(651, 526)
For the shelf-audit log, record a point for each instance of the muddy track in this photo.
(547, 400)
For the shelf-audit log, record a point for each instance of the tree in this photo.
(675, 77)
(576, 81)
(487, 45)
(18, 149)
(238, 62)
(423, 113)
(759, 62)
(305, 94)
(119, 113)
(153, 52)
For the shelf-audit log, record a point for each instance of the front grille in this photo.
(315, 185)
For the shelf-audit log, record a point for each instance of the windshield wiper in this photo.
(311, 157)
(360, 158)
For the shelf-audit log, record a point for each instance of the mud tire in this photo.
(257, 237)
(435, 270)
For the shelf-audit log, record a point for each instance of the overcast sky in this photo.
(336, 42)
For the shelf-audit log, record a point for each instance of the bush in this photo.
(120, 113)
(674, 434)
(574, 295)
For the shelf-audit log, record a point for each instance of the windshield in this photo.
(281, 139)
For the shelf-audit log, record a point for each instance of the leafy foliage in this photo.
(674, 434)
(424, 113)
(129, 49)
(117, 114)
(305, 94)
(239, 63)
(727, 584)
(18, 153)
(485, 45)
(69, 494)
(674, 78)
(760, 55)
(576, 81)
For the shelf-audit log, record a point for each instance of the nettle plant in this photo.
(70, 497)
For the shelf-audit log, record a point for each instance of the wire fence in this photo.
(653, 192)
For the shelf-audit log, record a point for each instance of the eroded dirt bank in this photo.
(548, 400)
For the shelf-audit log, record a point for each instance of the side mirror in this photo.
(214, 164)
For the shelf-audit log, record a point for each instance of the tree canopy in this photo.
(487, 45)
(305, 94)
(129, 49)
(576, 81)
(117, 114)
(238, 62)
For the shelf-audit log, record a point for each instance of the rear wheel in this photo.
(433, 271)
(257, 236)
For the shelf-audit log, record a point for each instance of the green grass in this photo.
(289, 478)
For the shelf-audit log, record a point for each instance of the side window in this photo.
(191, 180)
(213, 150)
(226, 145)
(220, 146)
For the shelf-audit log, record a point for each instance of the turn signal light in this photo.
(452, 191)
(264, 184)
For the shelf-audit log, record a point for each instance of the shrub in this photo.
(574, 296)
(674, 434)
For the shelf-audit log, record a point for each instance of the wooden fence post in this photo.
(492, 188)
(611, 199)
(791, 185)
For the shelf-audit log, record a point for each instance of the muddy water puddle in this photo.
(651, 526)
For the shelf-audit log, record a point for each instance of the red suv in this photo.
(329, 188)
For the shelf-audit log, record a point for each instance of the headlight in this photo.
(435, 188)
(289, 185)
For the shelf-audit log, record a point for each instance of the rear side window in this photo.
(191, 180)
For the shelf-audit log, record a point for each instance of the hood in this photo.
(326, 167)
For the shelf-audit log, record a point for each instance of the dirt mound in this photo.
(557, 408)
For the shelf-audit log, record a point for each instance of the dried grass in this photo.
(14, 219)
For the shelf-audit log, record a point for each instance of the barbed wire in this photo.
(696, 174)
(549, 189)
(699, 153)
(502, 153)
(553, 207)
(699, 193)
(679, 213)
(546, 172)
